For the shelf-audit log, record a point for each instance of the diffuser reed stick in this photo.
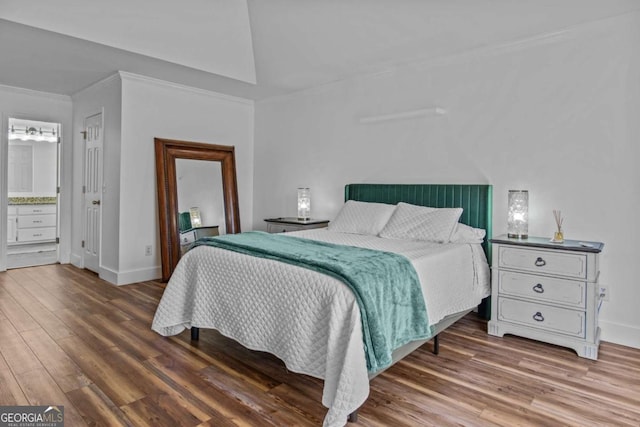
(558, 236)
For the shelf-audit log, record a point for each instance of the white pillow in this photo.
(362, 217)
(465, 234)
(421, 223)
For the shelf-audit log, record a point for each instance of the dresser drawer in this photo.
(544, 261)
(552, 290)
(30, 221)
(36, 234)
(192, 235)
(187, 237)
(282, 228)
(36, 209)
(542, 316)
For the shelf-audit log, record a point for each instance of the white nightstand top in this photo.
(545, 242)
(294, 220)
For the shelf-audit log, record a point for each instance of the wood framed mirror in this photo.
(167, 152)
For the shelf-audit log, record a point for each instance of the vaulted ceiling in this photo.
(260, 48)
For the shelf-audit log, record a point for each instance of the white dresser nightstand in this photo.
(286, 224)
(547, 292)
(189, 236)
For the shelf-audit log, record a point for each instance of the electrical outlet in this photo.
(604, 292)
(148, 251)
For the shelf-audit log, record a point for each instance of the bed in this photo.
(312, 320)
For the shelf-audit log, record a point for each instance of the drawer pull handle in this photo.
(540, 262)
(538, 288)
(538, 317)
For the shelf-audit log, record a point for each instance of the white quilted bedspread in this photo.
(309, 320)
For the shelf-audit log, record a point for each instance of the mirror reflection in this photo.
(200, 200)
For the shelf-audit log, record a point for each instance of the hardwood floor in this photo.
(69, 338)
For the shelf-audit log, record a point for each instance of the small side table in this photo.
(547, 292)
(187, 237)
(286, 224)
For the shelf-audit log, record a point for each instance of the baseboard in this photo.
(108, 274)
(132, 276)
(64, 258)
(76, 260)
(618, 333)
(31, 259)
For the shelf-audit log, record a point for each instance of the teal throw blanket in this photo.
(385, 284)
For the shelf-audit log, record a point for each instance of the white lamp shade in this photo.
(196, 220)
(518, 218)
(304, 203)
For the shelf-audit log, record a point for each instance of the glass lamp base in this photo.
(517, 236)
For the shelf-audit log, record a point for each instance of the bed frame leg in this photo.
(353, 417)
(436, 345)
(195, 333)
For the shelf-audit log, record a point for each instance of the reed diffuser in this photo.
(558, 236)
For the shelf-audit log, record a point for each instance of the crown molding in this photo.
(125, 75)
(31, 92)
(103, 82)
(479, 52)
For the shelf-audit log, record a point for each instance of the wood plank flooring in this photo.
(69, 338)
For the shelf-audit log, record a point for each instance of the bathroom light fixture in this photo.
(32, 134)
(304, 203)
(518, 219)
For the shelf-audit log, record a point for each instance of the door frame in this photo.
(4, 188)
(4, 176)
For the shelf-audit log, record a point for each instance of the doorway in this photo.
(33, 165)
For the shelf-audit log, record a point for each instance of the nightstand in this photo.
(189, 236)
(547, 292)
(286, 224)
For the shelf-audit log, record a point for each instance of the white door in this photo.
(92, 190)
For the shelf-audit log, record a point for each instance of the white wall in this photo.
(153, 108)
(199, 185)
(555, 115)
(40, 106)
(104, 96)
(136, 110)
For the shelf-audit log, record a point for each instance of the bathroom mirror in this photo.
(167, 153)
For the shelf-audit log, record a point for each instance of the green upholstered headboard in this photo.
(475, 200)
(184, 221)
